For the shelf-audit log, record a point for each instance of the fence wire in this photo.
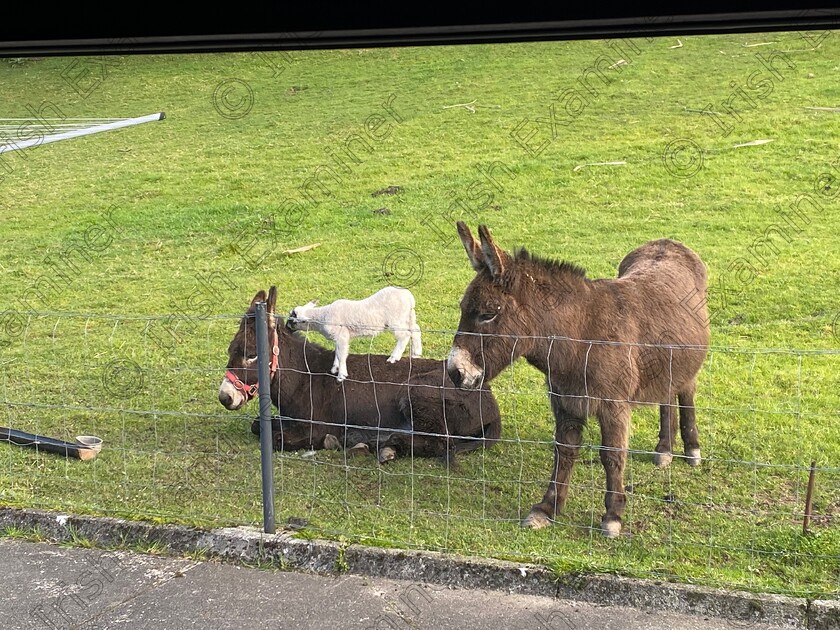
(149, 386)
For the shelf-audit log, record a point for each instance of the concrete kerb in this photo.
(825, 614)
(246, 544)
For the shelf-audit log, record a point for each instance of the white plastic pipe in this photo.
(67, 135)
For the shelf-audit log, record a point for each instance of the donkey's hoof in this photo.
(360, 449)
(387, 454)
(662, 460)
(536, 519)
(331, 442)
(611, 528)
(692, 456)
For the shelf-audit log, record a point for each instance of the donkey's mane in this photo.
(550, 265)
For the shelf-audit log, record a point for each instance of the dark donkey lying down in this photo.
(384, 405)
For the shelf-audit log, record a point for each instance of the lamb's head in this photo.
(301, 316)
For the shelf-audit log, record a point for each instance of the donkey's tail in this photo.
(416, 342)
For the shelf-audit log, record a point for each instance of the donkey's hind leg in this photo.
(688, 424)
(667, 432)
(387, 454)
(615, 429)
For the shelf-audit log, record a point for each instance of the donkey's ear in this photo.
(272, 299)
(497, 260)
(471, 245)
(259, 297)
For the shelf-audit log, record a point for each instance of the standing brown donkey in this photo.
(604, 345)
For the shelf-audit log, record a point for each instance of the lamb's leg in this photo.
(337, 357)
(416, 342)
(342, 348)
(403, 337)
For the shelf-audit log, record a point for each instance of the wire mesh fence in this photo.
(149, 387)
(167, 451)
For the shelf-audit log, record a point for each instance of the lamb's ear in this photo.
(495, 258)
(312, 303)
(272, 300)
(471, 245)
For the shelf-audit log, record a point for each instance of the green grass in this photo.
(30, 534)
(189, 194)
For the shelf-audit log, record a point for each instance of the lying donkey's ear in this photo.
(472, 246)
(259, 297)
(272, 299)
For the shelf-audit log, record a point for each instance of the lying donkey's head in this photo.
(240, 382)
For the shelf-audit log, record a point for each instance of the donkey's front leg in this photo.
(615, 429)
(567, 438)
(295, 438)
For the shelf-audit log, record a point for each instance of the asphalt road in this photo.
(47, 586)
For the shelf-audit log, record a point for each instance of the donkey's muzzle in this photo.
(455, 376)
(462, 371)
(226, 400)
(231, 397)
(466, 381)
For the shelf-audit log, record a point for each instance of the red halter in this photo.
(249, 391)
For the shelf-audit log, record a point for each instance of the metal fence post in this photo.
(266, 460)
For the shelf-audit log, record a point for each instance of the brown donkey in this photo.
(604, 345)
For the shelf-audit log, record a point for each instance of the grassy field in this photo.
(187, 218)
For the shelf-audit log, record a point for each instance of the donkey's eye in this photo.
(490, 314)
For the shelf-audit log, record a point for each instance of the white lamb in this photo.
(391, 308)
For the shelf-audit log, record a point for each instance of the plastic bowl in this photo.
(90, 441)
